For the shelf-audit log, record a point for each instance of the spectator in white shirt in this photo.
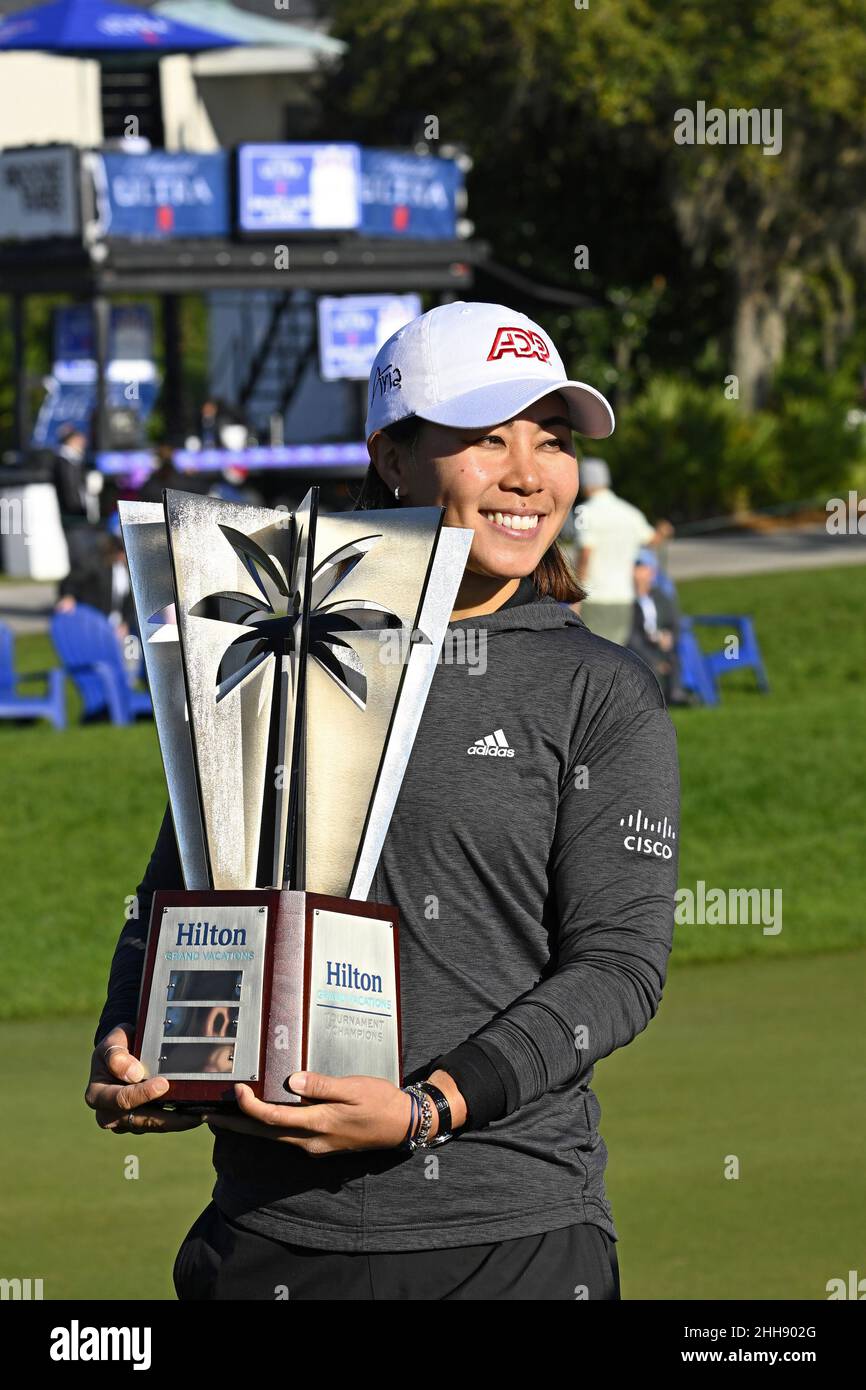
(610, 532)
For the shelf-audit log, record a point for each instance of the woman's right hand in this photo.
(120, 1095)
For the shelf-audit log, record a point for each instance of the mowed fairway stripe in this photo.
(759, 1059)
(68, 1213)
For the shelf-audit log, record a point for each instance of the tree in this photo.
(570, 115)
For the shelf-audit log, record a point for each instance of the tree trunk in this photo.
(759, 344)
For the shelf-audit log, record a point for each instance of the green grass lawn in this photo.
(772, 798)
(758, 1059)
(773, 785)
(762, 1061)
(757, 1051)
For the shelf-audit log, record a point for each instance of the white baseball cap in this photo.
(475, 365)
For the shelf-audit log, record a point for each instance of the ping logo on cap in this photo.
(519, 341)
(387, 378)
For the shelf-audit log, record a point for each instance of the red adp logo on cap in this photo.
(519, 341)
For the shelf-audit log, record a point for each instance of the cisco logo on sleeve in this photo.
(645, 836)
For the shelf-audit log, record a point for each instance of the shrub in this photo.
(685, 451)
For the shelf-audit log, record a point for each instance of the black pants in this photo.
(220, 1260)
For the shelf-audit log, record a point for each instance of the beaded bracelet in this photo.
(427, 1122)
(417, 1137)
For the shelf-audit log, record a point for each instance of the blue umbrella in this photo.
(93, 27)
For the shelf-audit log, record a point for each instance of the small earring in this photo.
(397, 492)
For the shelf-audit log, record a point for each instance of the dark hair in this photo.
(553, 576)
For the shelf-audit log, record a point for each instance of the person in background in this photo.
(209, 429)
(222, 426)
(655, 627)
(79, 509)
(165, 475)
(610, 531)
(168, 475)
(102, 581)
(69, 473)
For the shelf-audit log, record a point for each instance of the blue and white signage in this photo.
(131, 332)
(163, 195)
(353, 328)
(409, 195)
(131, 376)
(299, 188)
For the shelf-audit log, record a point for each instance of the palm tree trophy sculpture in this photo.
(289, 656)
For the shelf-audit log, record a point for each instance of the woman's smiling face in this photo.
(513, 484)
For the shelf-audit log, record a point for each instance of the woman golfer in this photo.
(532, 856)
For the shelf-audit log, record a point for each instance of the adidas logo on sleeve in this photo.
(495, 745)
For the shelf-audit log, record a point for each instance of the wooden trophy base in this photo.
(255, 985)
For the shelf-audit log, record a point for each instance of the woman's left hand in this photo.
(350, 1112)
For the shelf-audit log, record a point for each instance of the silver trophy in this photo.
(289, 656)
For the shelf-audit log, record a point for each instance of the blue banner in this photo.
(354, 327)
(409, 195)
(131, 333)
(343, 460)
(298, 188)
(74, 403)
(163, 195)
(74, 334)
(131, 376)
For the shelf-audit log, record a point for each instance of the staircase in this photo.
(271, 368)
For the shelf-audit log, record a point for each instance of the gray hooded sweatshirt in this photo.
(532, 855)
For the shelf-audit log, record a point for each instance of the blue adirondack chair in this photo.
(87, 645)
(748, 653)
(50, 705)
(700, 670)
(694, 673)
